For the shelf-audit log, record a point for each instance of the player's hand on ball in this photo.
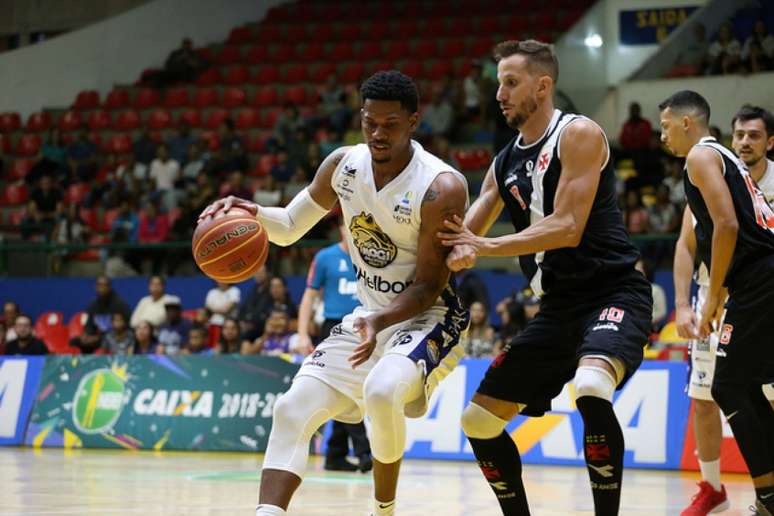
(225, 204)
(687, 323)
(367, 330)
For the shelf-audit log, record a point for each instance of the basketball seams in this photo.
(231, 251)
(202, 238)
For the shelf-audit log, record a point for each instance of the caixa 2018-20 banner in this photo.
(158, 402)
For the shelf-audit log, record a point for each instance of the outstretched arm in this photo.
(584, 151)
(446, 197)
(286, 225)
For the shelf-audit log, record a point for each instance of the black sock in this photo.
(500, 463)
(766, 496)
(604, 451)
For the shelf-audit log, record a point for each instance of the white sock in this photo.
(265, 509)
(710, 472)
(384, 508)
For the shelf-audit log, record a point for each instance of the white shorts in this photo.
(431, 339)
(703, 354)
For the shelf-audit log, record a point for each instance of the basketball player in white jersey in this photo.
(753, 137)
(385, 358)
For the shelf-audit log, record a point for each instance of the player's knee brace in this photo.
(594, 381)
(479, 423)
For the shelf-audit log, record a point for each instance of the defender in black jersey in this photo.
(557, 183)
(735, 229)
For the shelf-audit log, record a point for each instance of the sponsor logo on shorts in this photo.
(313, 359)
(725, 333)
(702, 345)
(605, 326)
(405, 339)
(433, 351)
(337, 330)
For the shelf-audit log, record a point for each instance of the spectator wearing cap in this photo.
(173, 335)
(25, 342)
(151, 307)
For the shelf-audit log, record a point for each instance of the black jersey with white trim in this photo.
(527, 178)
(755, 237)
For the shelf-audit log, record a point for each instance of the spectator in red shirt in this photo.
(154, 228)
(635, 133)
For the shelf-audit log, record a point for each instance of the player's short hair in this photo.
(749, 112)
(688, 102)
(391, 85)
(541, 56)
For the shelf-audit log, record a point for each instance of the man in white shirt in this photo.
(151, 307)
(221, 301)
(164, 172)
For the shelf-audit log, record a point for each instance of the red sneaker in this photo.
(707, 501)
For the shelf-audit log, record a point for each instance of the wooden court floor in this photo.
(97, 482)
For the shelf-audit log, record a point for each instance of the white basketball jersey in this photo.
(383, 226)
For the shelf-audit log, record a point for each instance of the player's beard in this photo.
(526, 108)
(753, 160)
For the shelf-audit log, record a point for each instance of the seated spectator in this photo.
(267, 194)
(438, 117)
(635, 215)
(10, 313)
(173, 335)
(284, 169)
(194, 164)
(70, 228)
(120, 339)
(164, 172)
(179, 145)
(151, 307)
(82, 157)
(333, 105)
(252, 311)
(674, 182)
(144, 148)
(222, 301)
(659, 296)
(202, 317)
(288, 123)
(100, 311)
(293, 187)
(25, 342)
(233, 155)
(133, 174)
(154, 229)
(230, 337)
(515, 312)
(126, 221)
(89, 341)
(724, 53)
(636, 131)
(145, 342)
(280, 298)
(182, 65)
(663, 216)
(48, 199)
(277, 337)
(202, 194)
(53, 154)
(117, 263)
(758, 50)
(481, 337)
(471, 88)
(237, 188)
(197, 341)
(694, 54)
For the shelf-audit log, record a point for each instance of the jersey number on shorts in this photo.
(612, 314)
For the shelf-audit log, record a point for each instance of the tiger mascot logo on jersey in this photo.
(373, 244)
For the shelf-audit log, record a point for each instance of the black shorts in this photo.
(746, 338)
(537, 363)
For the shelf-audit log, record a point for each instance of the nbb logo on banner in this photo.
(19, 378)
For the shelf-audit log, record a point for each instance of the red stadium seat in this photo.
(38, 122)
(413, 69)
(216, 118)
(20, 168)
(190, 117)
(127, 121)
(461, 27)
(10, 121)
(265, 163)
(480, 47)
(256, 55)
(110, 217)
(266, 75)
(269, 119)
(160, 119)
(234, 97)
(268, 33)
(439, 69)
(247, 118)
(295, 74)
(369, 50)
(348, 33)
(146, 98)
(282, 53)
(120, 144)
(117, 99)
(321, 72)
(69, 121)
(239, 36)
(397, 49)
(99, 120)
(452, 48)
(434, 28)
(88, 99)
(236, 75)
(310, 53)
(208, 77)
(15, 217)
(206, 97)
(46, 320)
(425, 49)
(296, 95)
(76, 193)
(176, 98)
(206, 53)
(405, 29)
(353, 72)
(229, 54)
(320, 34)
(490, 25)
(378, 31)
(77, 324)
(258, 144)
(341, 52)
(28, 145)
(265, 96)
(14, 194)
(295, 33)
(89, 216)
(381, 66)
(210, 139)
(5, 143)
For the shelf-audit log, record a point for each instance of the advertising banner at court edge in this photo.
(158, 402)
(19, 378)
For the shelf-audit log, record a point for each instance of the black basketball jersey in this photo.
(527, 177)
(755, 238)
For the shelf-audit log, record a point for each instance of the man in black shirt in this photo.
(25, 343)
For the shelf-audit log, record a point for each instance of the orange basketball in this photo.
(230, 247)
